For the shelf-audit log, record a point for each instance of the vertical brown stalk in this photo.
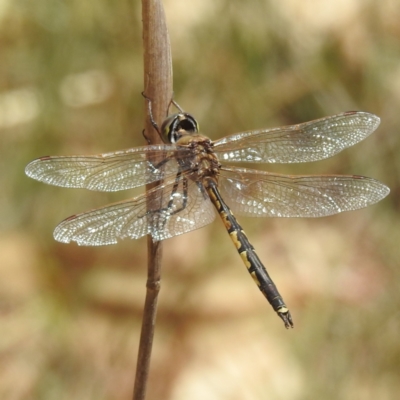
(157, 88)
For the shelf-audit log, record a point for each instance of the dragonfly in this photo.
(194, 182)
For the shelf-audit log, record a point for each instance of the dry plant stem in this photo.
(158, 88)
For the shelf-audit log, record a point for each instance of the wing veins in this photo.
(130, 218)
(251, 192)
(107, 172)
(309, 141)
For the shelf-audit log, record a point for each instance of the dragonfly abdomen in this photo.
(249, 256)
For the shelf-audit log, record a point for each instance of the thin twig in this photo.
(158, 88)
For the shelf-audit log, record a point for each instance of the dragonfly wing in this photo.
(131, 219)
(262, 194)
(309, 141)
(108, 172)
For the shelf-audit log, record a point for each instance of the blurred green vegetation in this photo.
(70, 83)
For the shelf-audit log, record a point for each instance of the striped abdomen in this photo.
(248, 254)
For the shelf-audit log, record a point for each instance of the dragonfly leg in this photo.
(160, 164)
(178, 178)
(176, 105)
(174, 190)
(152, 120)
(202, 190)
(161, 215)
(146, 138)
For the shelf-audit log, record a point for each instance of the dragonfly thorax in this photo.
(177, 125)
(202, 160)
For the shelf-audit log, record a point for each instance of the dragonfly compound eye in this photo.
(176, 125)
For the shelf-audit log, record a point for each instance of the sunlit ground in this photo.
(70, 83)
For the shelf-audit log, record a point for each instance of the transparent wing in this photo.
(108, 172)
(178, 211)
(261, 194)
(309, 141)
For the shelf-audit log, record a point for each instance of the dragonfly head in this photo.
(177, 125)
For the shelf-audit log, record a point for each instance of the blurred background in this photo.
(70, 82)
